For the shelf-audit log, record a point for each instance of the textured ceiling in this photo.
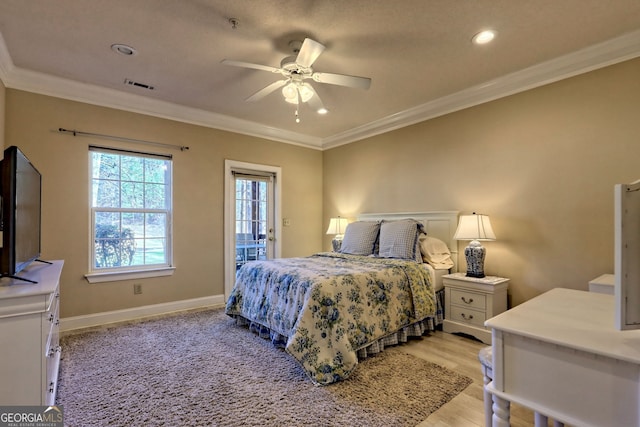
(417, 53)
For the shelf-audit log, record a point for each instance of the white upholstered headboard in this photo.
(439, 224)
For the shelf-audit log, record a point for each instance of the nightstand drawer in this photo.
(468, 299)
(468, 316)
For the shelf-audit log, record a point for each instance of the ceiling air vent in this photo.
(138, 84)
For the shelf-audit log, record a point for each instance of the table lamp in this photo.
(337, 227)
(475, 228)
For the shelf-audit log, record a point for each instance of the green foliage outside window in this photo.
(114, 248)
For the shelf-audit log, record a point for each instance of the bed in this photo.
(331, 309)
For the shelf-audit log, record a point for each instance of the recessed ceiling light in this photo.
(123, 49)
(484, 37)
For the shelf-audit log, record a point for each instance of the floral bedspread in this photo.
(329, 305)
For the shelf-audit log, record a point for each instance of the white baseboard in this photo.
(98, 319)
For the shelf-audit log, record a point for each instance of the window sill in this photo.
(114, 276)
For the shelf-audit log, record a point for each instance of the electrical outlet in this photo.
(286, 222)
(137, 288)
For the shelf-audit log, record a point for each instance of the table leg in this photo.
(501, 412)
(488, 412)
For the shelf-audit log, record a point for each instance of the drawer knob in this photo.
(465, 317)
(54, 350)
(466, 301)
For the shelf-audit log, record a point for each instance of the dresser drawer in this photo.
(51, 326)
(468, 299)
(52, 365)
(468, 316)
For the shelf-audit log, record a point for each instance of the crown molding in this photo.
(30, 81)
(6, 63)
(593, 57)
(601, 55)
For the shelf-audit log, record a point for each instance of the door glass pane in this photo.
(251, 220)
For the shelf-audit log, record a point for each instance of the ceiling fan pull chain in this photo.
(298, 104)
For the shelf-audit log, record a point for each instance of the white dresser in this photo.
(470, 301)
(29, 338)
(560, 355)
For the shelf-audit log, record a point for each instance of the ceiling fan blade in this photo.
(316, 103)
(266, 91)
(309, 52)
(250, 65)
(342, 80)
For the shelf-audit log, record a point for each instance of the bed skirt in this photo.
(416, 329)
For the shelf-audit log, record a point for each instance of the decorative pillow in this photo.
(435, 252)
(360, 238)
(399, 239)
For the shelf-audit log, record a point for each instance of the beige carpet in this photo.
(199, 369)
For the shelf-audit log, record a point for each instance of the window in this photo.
(130, 211)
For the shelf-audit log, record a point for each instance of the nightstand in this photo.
(469, 301)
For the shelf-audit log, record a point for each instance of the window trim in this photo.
(114, 276)
(139, 271)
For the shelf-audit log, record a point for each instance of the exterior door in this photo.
(252, 214)
(254, 221)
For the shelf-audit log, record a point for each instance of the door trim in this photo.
(229, 215)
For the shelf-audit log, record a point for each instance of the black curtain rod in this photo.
(120, 138)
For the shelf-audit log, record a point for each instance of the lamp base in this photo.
(475, 254)
(477, 275)
(336, 243)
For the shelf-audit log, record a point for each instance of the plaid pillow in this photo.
(360, 238)
(399, 239)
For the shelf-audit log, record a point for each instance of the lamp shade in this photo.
(474, 227)
(337, 226)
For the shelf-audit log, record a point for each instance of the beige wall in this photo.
(31, 124)
(541, 163)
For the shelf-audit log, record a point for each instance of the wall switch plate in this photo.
(137, 288)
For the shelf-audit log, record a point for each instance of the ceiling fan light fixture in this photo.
(296, 69)
(290, 92)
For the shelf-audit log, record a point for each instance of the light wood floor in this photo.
(461, 355)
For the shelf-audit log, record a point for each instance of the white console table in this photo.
(29, 344)
(560, 355)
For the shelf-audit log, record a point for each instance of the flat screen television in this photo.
(20, 192)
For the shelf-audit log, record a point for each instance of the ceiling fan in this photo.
(295, 70)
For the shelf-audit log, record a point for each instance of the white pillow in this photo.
(399, 239)
(360, 238)
(435, 252)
